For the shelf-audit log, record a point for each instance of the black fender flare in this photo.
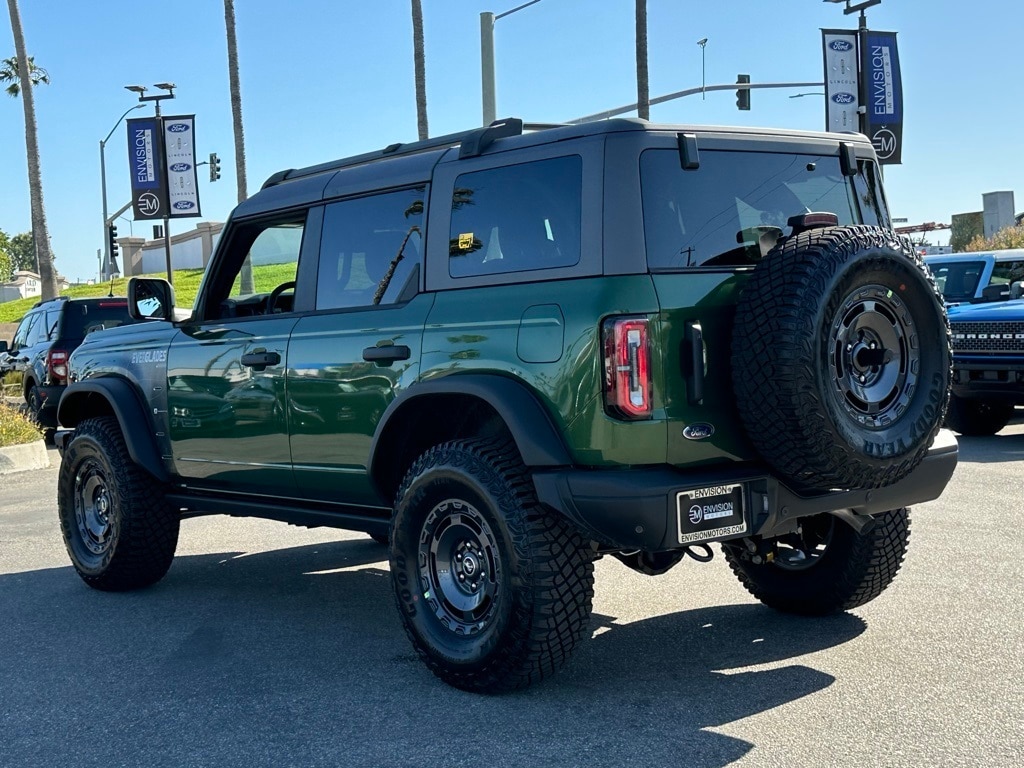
(539, 443)
(124, 401)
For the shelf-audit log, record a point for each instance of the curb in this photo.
(19, 458)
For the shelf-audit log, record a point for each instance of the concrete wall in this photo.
(189, 250)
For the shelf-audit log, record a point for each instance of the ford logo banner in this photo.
(182, 167)
(184, 205)
(840, 45)
(843, 98)
(177, 127)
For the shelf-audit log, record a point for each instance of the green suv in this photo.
(508, 352)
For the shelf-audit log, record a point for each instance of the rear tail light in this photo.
(627, 367)
(57, 366)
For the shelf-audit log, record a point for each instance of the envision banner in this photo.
(883, 95)
(145, 158)
(841, 79)
(180, 152)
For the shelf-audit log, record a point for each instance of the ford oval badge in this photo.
(843, 98)
(840, 45)
(177, 127)
(180, 167)
(699, 431)
(184, 205)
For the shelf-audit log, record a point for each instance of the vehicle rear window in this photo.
(731, 210)
(82, 318)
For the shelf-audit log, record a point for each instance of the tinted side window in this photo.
(369, 249)
(37, 331)
(1006, 272)
(21, 335)
(734, 207)
(517, 218)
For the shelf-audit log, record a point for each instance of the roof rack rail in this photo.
(472, 143)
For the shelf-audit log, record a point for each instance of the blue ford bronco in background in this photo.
(988, 366)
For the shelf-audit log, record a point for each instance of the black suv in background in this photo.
(44, 341)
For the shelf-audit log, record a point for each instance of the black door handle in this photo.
(387, 354)
(260, 359)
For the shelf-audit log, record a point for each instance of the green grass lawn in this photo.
(186, 286)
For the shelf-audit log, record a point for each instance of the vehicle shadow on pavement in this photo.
(991, 449)
(296, 656)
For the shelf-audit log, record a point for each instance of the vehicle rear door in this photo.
(349, 358)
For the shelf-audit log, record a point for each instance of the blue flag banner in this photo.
(883, 95)
(146, 164)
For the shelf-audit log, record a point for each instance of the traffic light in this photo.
(214, 166)
(742, 94)
(112, 236)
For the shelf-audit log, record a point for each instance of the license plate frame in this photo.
(711, 513)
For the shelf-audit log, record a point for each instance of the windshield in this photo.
(732, 209)
(958, 280)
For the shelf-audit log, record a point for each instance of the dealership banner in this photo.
(180, 153)
(842, 94)
(146, 161)
(883, 95)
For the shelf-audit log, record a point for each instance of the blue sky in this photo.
(323, 79)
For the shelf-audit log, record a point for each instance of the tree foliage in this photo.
(9, 74)
(965, 227)
(1004, 239)
(6, 263)
(16, 253)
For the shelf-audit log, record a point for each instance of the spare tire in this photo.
(841, 358)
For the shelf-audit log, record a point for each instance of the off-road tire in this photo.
(976, 418)
(118, 529)
(34, 403)
(823, 407)
(535, 602)
(853, 569)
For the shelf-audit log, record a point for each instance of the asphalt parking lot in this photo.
(273, 645)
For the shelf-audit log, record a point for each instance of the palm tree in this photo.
(643, 95)
(40, 232)
(421, 69)
(247, 284)
(9, 74)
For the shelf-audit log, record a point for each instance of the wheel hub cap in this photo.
(93, 508)
(873, 356)
(459, 566)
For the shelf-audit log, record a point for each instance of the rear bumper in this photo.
(637, 508)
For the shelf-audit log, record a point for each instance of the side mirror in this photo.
(995, 293)
(150, 298)
(3, 346)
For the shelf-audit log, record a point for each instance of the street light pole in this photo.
(105, 265)
(487, 83)
(156, 99)
(702, 43)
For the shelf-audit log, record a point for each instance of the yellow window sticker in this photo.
(466, 241)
